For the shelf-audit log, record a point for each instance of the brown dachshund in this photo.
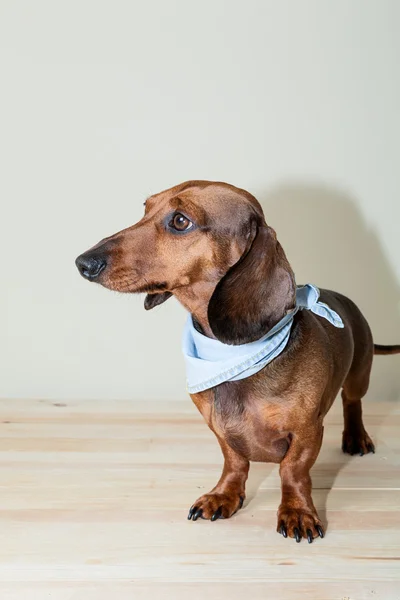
(208, 245)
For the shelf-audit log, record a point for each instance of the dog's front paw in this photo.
(216, 506)
(297, 523)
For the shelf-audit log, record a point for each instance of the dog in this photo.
(208, 244)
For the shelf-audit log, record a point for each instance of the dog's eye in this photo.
(180, 222)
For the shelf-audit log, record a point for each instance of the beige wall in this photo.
(106, 102)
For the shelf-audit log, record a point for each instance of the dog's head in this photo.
(207, 243)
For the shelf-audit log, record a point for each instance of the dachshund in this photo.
(208, 244)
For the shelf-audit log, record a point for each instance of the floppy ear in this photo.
(255, 293)
(153, 300)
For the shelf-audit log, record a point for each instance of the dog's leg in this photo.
(229, 493)
(355, 439)
(297, 516)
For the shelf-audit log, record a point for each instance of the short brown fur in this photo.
(230, 272)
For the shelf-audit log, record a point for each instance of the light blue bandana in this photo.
(210, 362)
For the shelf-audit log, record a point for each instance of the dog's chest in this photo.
(252, 437)
(248, 422)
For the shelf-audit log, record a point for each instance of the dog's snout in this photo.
(90, 267)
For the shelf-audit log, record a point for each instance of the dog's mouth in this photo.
(102, 269)
(128, 285)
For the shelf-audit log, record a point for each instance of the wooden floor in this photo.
(94, 499)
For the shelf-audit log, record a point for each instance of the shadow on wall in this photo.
(328, 243)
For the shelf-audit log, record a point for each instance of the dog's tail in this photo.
(378, 349)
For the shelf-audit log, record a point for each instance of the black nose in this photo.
(90, 266)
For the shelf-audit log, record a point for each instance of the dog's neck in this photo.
(195, 299)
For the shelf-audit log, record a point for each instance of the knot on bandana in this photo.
(210, 362)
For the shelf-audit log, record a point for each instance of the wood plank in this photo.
(109, 590)
(94, 498)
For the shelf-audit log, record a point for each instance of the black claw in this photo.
(283, 531)
(217, 514)
(320, 531)
(371, 448)
(297, 535)
(197, 514)
(241, 501)
(191, 512)
(309, 536)
(361, 453)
